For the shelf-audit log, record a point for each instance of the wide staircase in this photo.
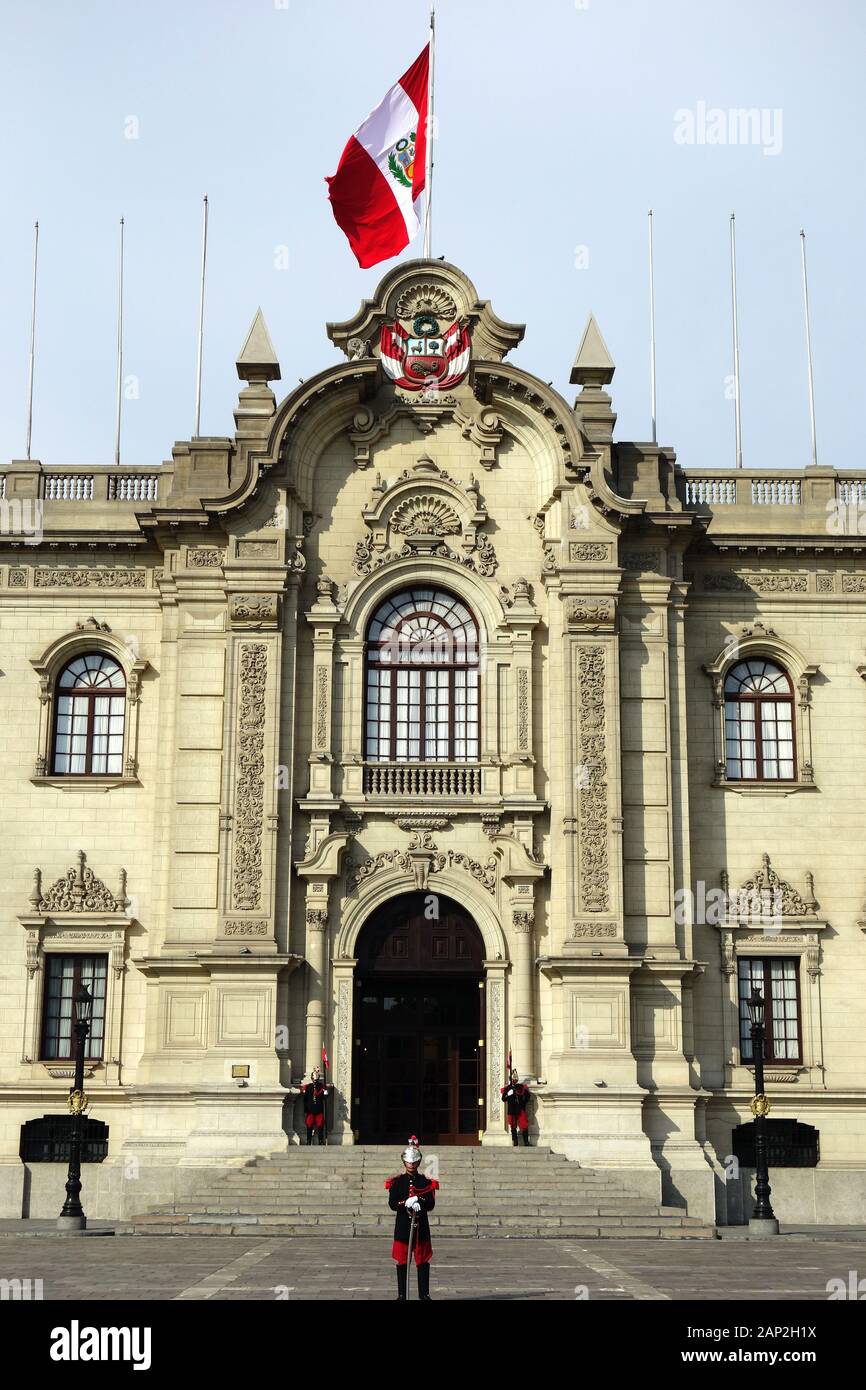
(338, 1192)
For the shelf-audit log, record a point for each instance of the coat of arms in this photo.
(427, 358)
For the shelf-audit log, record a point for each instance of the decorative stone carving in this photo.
(92, 624)
(250, 791)
(523, 921)
(258, 550)
(642, 560)
(582, 931)
(433, 860)
(728, 582)
(246, 928)
(766, 894)
(592, 796)
(426, 299)
(425, 515)
(323, 682)
(259, 609)
(522, 709)
(825, 583)
(18, 579)
(343, 1050)
(204, 557)
(592, 612)
(316, 918)
(115, 578)
(585, 552)
(518, 592)
(854, 583)
(79, 890)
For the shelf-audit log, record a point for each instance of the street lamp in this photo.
(72, 1216)
(763, 1221)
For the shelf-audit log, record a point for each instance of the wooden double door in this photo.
(419, 1026)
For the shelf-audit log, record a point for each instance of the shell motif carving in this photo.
(425, 516)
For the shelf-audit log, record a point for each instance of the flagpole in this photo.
(808, 350)
(652, 329)
(32, 340)
(197, 431)
(428, 171)
(739, 430)
(119, 351)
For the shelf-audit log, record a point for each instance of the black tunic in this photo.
(314, 1098)
(406, 1185)
(519, 1098)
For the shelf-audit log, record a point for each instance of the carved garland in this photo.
(396, 859)
(250, 795)
(79, 890)
(593, 804)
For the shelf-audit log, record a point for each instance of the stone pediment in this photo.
(417, 289)
(424, 511)
(78, 890)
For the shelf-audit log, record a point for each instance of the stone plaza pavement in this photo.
(796, 1266)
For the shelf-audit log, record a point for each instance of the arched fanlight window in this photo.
(422, 679)
(90, 697)
(759, 722)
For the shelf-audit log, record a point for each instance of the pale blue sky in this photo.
(557, 129)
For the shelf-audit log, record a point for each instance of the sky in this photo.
(559, 124)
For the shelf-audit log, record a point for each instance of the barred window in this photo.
(777, 979)
(89, 717)
(63, 977)
(423, 683)
(759, 722)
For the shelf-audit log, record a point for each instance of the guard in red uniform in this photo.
(515, 1097)
(408, 1192)
(315, 1094)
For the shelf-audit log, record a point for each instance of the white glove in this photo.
(509, 1093)
(412, 1204)
(324, 1093)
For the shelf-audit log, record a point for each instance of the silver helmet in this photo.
(411, 1155)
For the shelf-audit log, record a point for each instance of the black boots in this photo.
(424, 1283)
(309, 1136)
(321, 1136)
(514, 1136)
(526, 1138)
(401, 1282)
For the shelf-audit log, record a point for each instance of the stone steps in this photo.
(504, 1193)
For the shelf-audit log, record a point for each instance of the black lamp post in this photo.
(72, 1216)
(763, 1221)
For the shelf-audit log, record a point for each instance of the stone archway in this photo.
(418, 1064)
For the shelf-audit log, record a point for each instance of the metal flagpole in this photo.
(739, 429)
(428, 171)
(197, 431)
(652, 328)
(808, 349)
(119, 351)
(32, 341)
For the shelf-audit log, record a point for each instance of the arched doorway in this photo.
(419, 1024)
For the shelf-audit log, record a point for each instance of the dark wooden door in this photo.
(418, 1024)
(418, 1061)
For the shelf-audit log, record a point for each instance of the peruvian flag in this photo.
(381, 172)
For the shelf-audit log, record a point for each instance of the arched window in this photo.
(759, 722)
(88, 721)
(422, 679)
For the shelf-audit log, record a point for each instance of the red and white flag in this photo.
(382, 170)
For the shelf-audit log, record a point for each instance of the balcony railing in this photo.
(440, 780)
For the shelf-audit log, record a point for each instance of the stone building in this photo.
(422, 722)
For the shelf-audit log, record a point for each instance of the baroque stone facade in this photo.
(586, 813)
